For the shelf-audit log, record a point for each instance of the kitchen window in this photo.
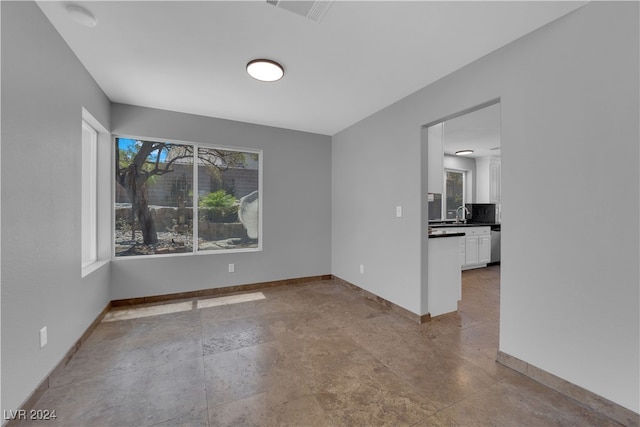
(454, 192)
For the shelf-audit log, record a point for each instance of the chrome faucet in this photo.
(464, 216)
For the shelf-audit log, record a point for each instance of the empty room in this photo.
(320, 213)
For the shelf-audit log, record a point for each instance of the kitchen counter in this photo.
(479, 242)
(444, 280)
(461, 224)
(437, 235)
(495, 226)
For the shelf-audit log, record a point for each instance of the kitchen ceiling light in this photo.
(463, 152)
(81, 15)
(265, 70)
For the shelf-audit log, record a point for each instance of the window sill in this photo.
(93, 267)
(186, 254)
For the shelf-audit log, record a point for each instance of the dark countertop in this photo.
(460, 224)
(435, 236)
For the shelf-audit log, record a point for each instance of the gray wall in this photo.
(297, 206)
(570, 295)
(44, 88)
(570, 298)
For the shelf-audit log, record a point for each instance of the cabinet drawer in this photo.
(451, 229)
(477, 231)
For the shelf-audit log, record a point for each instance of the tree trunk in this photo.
(141, 211)
(133, 223)
(149, 234)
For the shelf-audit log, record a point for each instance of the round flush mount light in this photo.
(81, 15)
(463, 152)
(265, 70)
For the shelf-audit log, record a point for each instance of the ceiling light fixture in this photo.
(463, 152)
(265, 70)
(81, 15)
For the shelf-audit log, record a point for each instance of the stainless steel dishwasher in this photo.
(495, 244)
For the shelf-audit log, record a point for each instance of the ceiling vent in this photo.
(314, 10)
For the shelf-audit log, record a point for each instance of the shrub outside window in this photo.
(176, 198)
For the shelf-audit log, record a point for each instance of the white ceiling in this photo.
(478, 131)
(191, 56)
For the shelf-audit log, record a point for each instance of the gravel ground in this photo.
(171, 242)
(168, 242)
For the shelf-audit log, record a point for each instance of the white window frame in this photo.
(195, 251)
(444, 192)
(89, 196)
(95, 156)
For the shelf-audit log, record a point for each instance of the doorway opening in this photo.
(460, 173)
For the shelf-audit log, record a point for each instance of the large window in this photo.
(175, 198)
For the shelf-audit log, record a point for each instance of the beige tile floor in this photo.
(307, 355)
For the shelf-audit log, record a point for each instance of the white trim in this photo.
(195, 215)
(260, 199)
(113, 197)
(186, 254)
(100, 206)
(89, 195)
(185, 142)
(229, 251)
(93, 267)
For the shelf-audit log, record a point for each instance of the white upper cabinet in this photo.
(488, 180)
(435, 158)
(494, 181)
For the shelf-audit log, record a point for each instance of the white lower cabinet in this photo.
(471, 251)
(484, 249)
(477, 250)
(444, 281)
(463, 252)
(475, 246)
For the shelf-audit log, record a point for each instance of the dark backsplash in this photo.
(435, 206)
(482, 213)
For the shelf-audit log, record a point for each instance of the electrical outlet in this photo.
(232, 268)
(361, 268)
(43, 337)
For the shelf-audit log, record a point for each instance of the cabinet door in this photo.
(471, 251)
(484, 249)
(435, 162)
(494, 183)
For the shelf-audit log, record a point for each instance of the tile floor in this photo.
(306, 355)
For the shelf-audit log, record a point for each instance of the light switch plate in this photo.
(399, 211)
(43, 337)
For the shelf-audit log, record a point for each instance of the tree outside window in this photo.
(184, 198)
